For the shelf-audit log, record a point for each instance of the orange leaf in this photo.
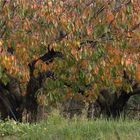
(138, 72)
(110, 16)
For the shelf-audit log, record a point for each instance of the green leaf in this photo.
(113, 71)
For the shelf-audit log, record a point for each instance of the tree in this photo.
(60, 49)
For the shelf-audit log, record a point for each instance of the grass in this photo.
(58, 128)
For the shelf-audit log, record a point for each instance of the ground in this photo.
(58, 128)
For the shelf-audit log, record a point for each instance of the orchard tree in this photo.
(60, 49)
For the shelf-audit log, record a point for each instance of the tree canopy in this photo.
(94, 45)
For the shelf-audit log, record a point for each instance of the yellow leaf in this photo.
(1, 43)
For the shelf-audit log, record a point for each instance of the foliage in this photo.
(98, 40)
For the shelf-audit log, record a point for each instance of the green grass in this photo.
(58, 128)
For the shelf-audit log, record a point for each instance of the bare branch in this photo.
(134, 27)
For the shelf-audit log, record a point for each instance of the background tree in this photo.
(92, 45)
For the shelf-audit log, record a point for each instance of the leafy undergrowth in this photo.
(58, 128)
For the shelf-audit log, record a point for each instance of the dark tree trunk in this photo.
(36, 83)
(11, 100)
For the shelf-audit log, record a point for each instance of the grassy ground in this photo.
(57, 128)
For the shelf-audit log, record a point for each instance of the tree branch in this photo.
(134, 27)
(46, 58)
